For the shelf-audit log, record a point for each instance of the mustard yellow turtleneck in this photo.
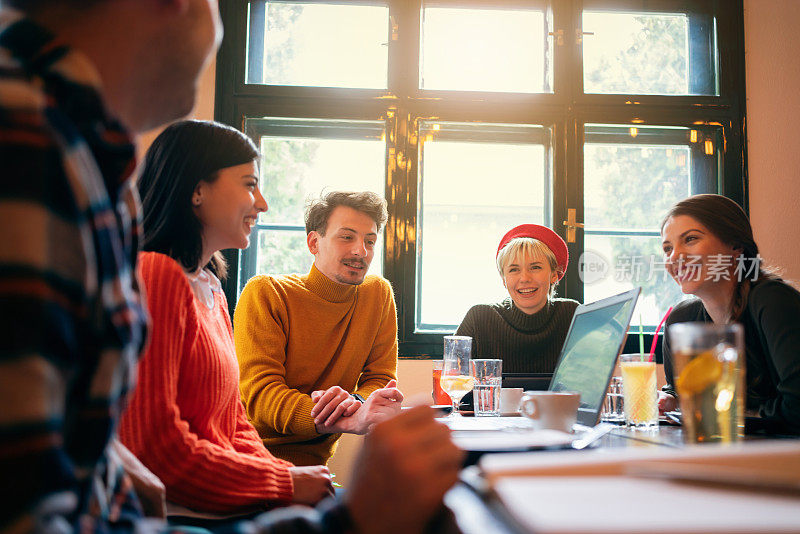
(300, 333)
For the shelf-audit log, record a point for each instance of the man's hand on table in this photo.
(334, 405)
(404, 469)
(334, 413)
(311, 484)
(381, 405)
(666, 402)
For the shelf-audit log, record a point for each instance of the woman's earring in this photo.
(196, 202)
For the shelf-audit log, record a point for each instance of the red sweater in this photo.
(186, 421)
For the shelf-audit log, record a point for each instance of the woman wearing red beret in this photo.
(528, 329)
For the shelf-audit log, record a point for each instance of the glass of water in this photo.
(613, 408)
(488, 376)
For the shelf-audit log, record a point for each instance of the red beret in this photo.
(544, 234)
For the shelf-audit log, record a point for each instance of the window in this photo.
(317, 44)
(459, 217)
(299, 159)
(484, 50)
(591, 117)
(632, 175)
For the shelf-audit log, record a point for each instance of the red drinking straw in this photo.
(655, 335)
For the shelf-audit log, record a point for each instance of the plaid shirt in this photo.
(72, 322)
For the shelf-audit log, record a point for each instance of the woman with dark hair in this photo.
(186, 421)
(711, 253)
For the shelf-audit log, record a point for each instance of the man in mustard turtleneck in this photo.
(318, 352)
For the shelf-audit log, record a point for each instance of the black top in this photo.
(525, 343)
(771, 323)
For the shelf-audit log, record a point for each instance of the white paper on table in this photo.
(582, 505)
(464, 424)
(498, 440)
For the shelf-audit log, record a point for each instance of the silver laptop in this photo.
(595, 338)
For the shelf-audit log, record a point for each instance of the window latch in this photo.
(579, 33)
(571, 224)
(395, 28)
(559, 35)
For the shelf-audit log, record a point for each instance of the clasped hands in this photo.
(337, 411)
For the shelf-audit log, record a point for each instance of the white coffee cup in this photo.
(556, 410)
(510, 399)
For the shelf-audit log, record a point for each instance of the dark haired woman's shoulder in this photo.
(686, 311)
(772, 291)
(773, 284)
(158, 269)
(156, 263)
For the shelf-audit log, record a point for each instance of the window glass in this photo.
(299, 161)
(485, 50)
(632, 176)
(629, 182)
(282, 252)
(477, 181)
(326, 45)
(648, 53)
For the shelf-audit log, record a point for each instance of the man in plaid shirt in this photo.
(79, 78)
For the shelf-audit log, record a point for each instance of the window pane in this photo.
(485, 50)
(645, 53)
(299, 160)
(476, 183)
(282, 252)
(327, 45)
(632, 176)
(630, 262)
(630, 185)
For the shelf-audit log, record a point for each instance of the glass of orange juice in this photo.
(439, 396)
(640, 398)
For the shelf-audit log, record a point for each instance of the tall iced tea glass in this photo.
(708, 366)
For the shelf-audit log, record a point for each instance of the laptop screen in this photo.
(594, 341)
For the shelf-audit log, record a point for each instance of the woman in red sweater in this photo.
(186, 422)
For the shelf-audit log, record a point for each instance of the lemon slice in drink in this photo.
(698, 374)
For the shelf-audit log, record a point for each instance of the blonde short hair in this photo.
(528, 246)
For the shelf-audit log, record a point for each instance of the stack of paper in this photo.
(626, 504)
(752, 487)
